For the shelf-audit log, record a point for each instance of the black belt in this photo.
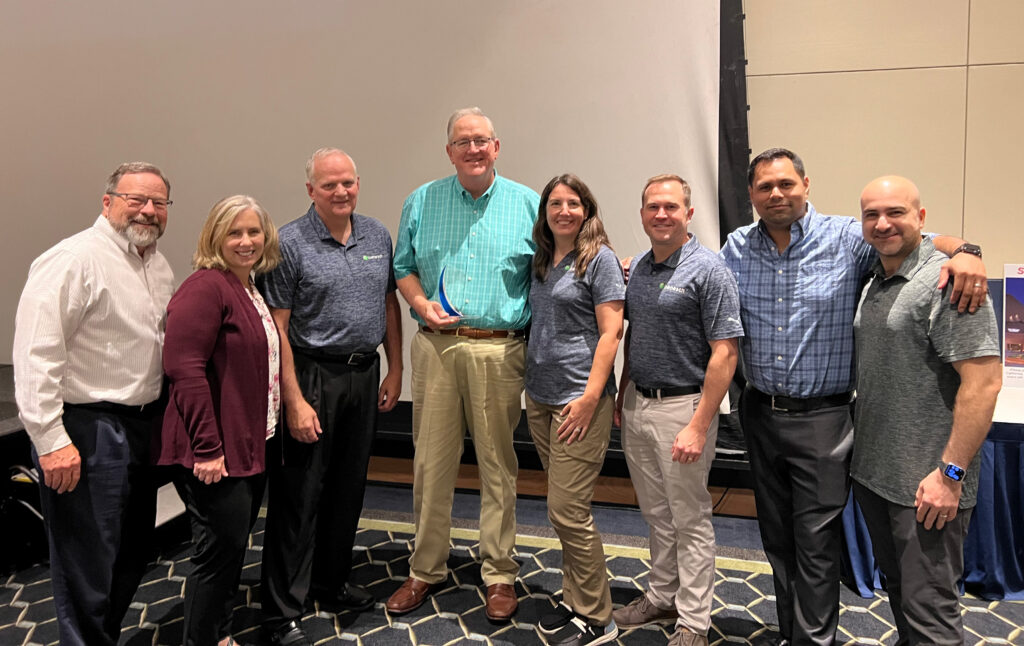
(143, 410)
(357, 359)
(671, 391)
(793, 405)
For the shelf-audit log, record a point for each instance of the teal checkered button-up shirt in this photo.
(486, 245)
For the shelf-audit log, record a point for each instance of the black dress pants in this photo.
(100, 533)
(801, 468)
(222, 515)
(316, 495)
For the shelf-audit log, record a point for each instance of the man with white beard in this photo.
(88, 373)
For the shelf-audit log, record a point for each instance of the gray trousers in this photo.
(801, 468)
(922, 568)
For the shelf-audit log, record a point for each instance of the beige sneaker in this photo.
(683, 637)
(641, 612)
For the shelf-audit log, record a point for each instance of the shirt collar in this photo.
(461, 190)
(797, 231)
(103, 225)
(321, 229)
(912, 264)
(680, 254)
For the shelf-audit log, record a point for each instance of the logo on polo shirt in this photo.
(377, 257)
(672, 288)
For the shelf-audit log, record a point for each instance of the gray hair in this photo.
(321, 153)
(135, 168)
(468, 112)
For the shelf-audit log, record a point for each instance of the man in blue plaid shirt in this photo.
(799, 275)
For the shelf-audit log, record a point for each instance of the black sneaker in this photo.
(557, 619)
(579, 632)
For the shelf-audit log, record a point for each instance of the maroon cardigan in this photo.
(215, 359)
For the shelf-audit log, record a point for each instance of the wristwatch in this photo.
(953, 472)
(967, 247)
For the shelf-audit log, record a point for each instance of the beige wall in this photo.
(232, 96)
(932, 92)
(930, 89)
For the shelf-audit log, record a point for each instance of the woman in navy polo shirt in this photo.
(221, 357)
(576, 299)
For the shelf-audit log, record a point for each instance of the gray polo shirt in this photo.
(908, 336)
(564, 333)
(674, 309)
(335, 292)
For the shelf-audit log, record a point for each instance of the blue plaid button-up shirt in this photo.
(797, 307)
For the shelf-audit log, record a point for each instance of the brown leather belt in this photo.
(476, 333)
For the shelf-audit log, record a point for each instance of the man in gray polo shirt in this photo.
(927, 381)
(683, 308)
(333, 298)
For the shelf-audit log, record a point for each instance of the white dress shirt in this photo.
(89, 328)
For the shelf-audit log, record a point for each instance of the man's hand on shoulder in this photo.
(970, 282)
(303, 424)
(937, 500)
(61, 468)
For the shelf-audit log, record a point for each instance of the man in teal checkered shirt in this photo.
(468, 360)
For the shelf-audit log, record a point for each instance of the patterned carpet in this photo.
(743, 610)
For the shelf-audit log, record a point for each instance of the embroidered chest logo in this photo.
(672, 288)
(377, 257)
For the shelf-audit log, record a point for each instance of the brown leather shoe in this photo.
(410, 596)
(501, 602)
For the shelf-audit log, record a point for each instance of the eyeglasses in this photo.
(479, 142)
(139, 201)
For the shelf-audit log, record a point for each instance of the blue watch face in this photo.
(953, 472)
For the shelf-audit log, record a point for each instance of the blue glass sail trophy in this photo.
(442, 296)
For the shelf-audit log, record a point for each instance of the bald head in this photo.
(892, 218)
(892, 185)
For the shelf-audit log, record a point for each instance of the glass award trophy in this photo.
(442, 296)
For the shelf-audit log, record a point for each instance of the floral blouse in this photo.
(273, 357)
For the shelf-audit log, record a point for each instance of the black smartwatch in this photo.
(967, 247)
(953, 472)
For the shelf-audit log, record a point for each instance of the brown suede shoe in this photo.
(501, 602)
(411, 595)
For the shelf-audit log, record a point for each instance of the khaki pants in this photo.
(572, 471)
(459, 382)
(675, 503)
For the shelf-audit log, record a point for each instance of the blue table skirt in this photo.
(994, 550)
